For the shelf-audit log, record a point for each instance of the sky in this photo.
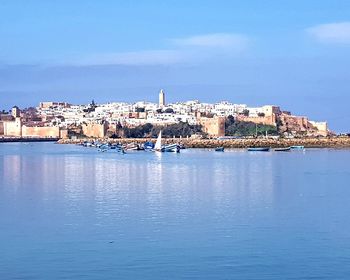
(292, 53)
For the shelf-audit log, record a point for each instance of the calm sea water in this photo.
(68, 212)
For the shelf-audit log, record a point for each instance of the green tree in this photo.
(140, 131)
(239, 128)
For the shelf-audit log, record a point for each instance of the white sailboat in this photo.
(158, 145)
(167, 148)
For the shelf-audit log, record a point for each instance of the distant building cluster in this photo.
(58, 119)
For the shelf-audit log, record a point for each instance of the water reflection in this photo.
(144, 212)
(153, 180)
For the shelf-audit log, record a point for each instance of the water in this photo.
(68, 212)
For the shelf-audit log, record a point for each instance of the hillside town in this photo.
(63, 120)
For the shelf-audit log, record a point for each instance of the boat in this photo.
(87, 144)
(182, 146)
(148, 146)
(97, 144)
(282, 149)
(258, 149)
(104, 148)
(219, 149)
(132, 147)
(172, 148)
(297, 147)
(158, 147)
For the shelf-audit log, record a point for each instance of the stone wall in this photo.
(12, 128)
(266, 120)
(64, 133)
(95, 130)
(44, 131)
(322, 128)
(290, 123)
(214, 127)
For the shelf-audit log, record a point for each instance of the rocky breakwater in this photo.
(329, 142)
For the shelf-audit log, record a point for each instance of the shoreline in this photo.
(25, 139)
(329, 142)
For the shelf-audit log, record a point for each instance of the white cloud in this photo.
(216, 40)
(338, 32)
(182, 50)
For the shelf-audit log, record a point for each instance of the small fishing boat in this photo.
(258, 149)
(182, 146)
(173, 148)
(219, 149)
(104, 148)
(148, 146)
(282, 149)
(87, 144)
(297, 147)
(132, 147)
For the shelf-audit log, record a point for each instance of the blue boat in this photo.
(297, 147)
(219, 149)
(258, 149)
(148, 146)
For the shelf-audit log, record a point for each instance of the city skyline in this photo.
(293, 54)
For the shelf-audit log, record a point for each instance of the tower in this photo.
(16, 112)
(161, 98)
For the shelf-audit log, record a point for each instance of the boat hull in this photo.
(171, 149)
(282, 149)
(297, 147)
(259, 149)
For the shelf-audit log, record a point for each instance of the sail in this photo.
(158, 145)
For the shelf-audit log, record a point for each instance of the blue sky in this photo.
(293, 53)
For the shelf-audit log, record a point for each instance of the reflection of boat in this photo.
(219, 149)
(282, 149)
(297, 147)
(258, 149)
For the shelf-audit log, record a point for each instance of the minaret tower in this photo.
(161, 98)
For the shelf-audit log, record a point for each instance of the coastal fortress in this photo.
(63, 120)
